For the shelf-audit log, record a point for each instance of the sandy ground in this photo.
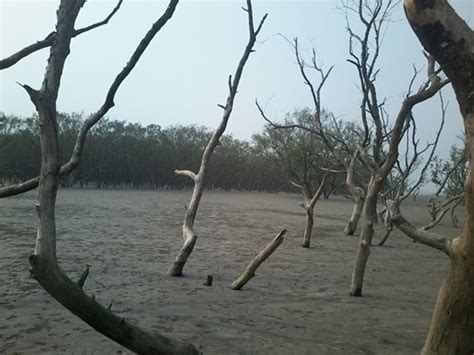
(297, 304)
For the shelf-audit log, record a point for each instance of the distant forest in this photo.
(122, 154)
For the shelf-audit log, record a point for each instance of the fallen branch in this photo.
(249, 271)
(102, 319)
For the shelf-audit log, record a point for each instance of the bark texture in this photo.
(451, 41)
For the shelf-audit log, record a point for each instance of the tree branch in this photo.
(420, 235)
(187, 173)
(107, 105)
(49, 40)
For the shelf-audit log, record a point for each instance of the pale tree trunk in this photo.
(355, 216)
(189, 236)
(249, 271)
(450, 40)
(358, 195)
(366, 234)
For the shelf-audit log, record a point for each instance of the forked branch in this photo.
(106, 106)
(49, 40)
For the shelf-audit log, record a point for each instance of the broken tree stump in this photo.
(249, 271)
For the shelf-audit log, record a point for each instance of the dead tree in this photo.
(310, 200)
(451, 41)
(410, 162)
(381, 155)
(344, 155)
(198, 178)
(302, 157)
(44, 265)
(249, 271)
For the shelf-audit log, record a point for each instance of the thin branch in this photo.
(49, 40)
(107, 105)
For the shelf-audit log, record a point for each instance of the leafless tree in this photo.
(415, 159)
(382, 154)
(445, 35)
(198, 178)
(304, 160)
(44, 264)
(344, 155)
(378, 148)
(310, 200)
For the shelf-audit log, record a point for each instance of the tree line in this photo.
(123, 154)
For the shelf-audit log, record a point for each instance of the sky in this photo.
(183, 74)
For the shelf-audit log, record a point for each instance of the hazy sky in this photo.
(183, 74)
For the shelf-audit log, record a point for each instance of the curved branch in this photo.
(419, 234)
(187, 173)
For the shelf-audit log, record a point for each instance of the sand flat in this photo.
(299, 302)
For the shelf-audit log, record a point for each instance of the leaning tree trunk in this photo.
(366, 234)
(189, 236)
(451, 41)
(356, 213)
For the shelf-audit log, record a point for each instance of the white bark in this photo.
(249, 271)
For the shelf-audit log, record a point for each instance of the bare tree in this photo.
(382, 154)
(451, 41)
(332, 139)
(378, 148)
(44, 265)
(409, 163)
(198, 178)
(302, 157)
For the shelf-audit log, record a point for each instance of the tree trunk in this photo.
(451, 41)
(249, 271)
(366, 234)
(388, 231)
(354, 220)
(176, 268)
(452, 324)
(102, 319)
(183, 255)
(308, 229)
